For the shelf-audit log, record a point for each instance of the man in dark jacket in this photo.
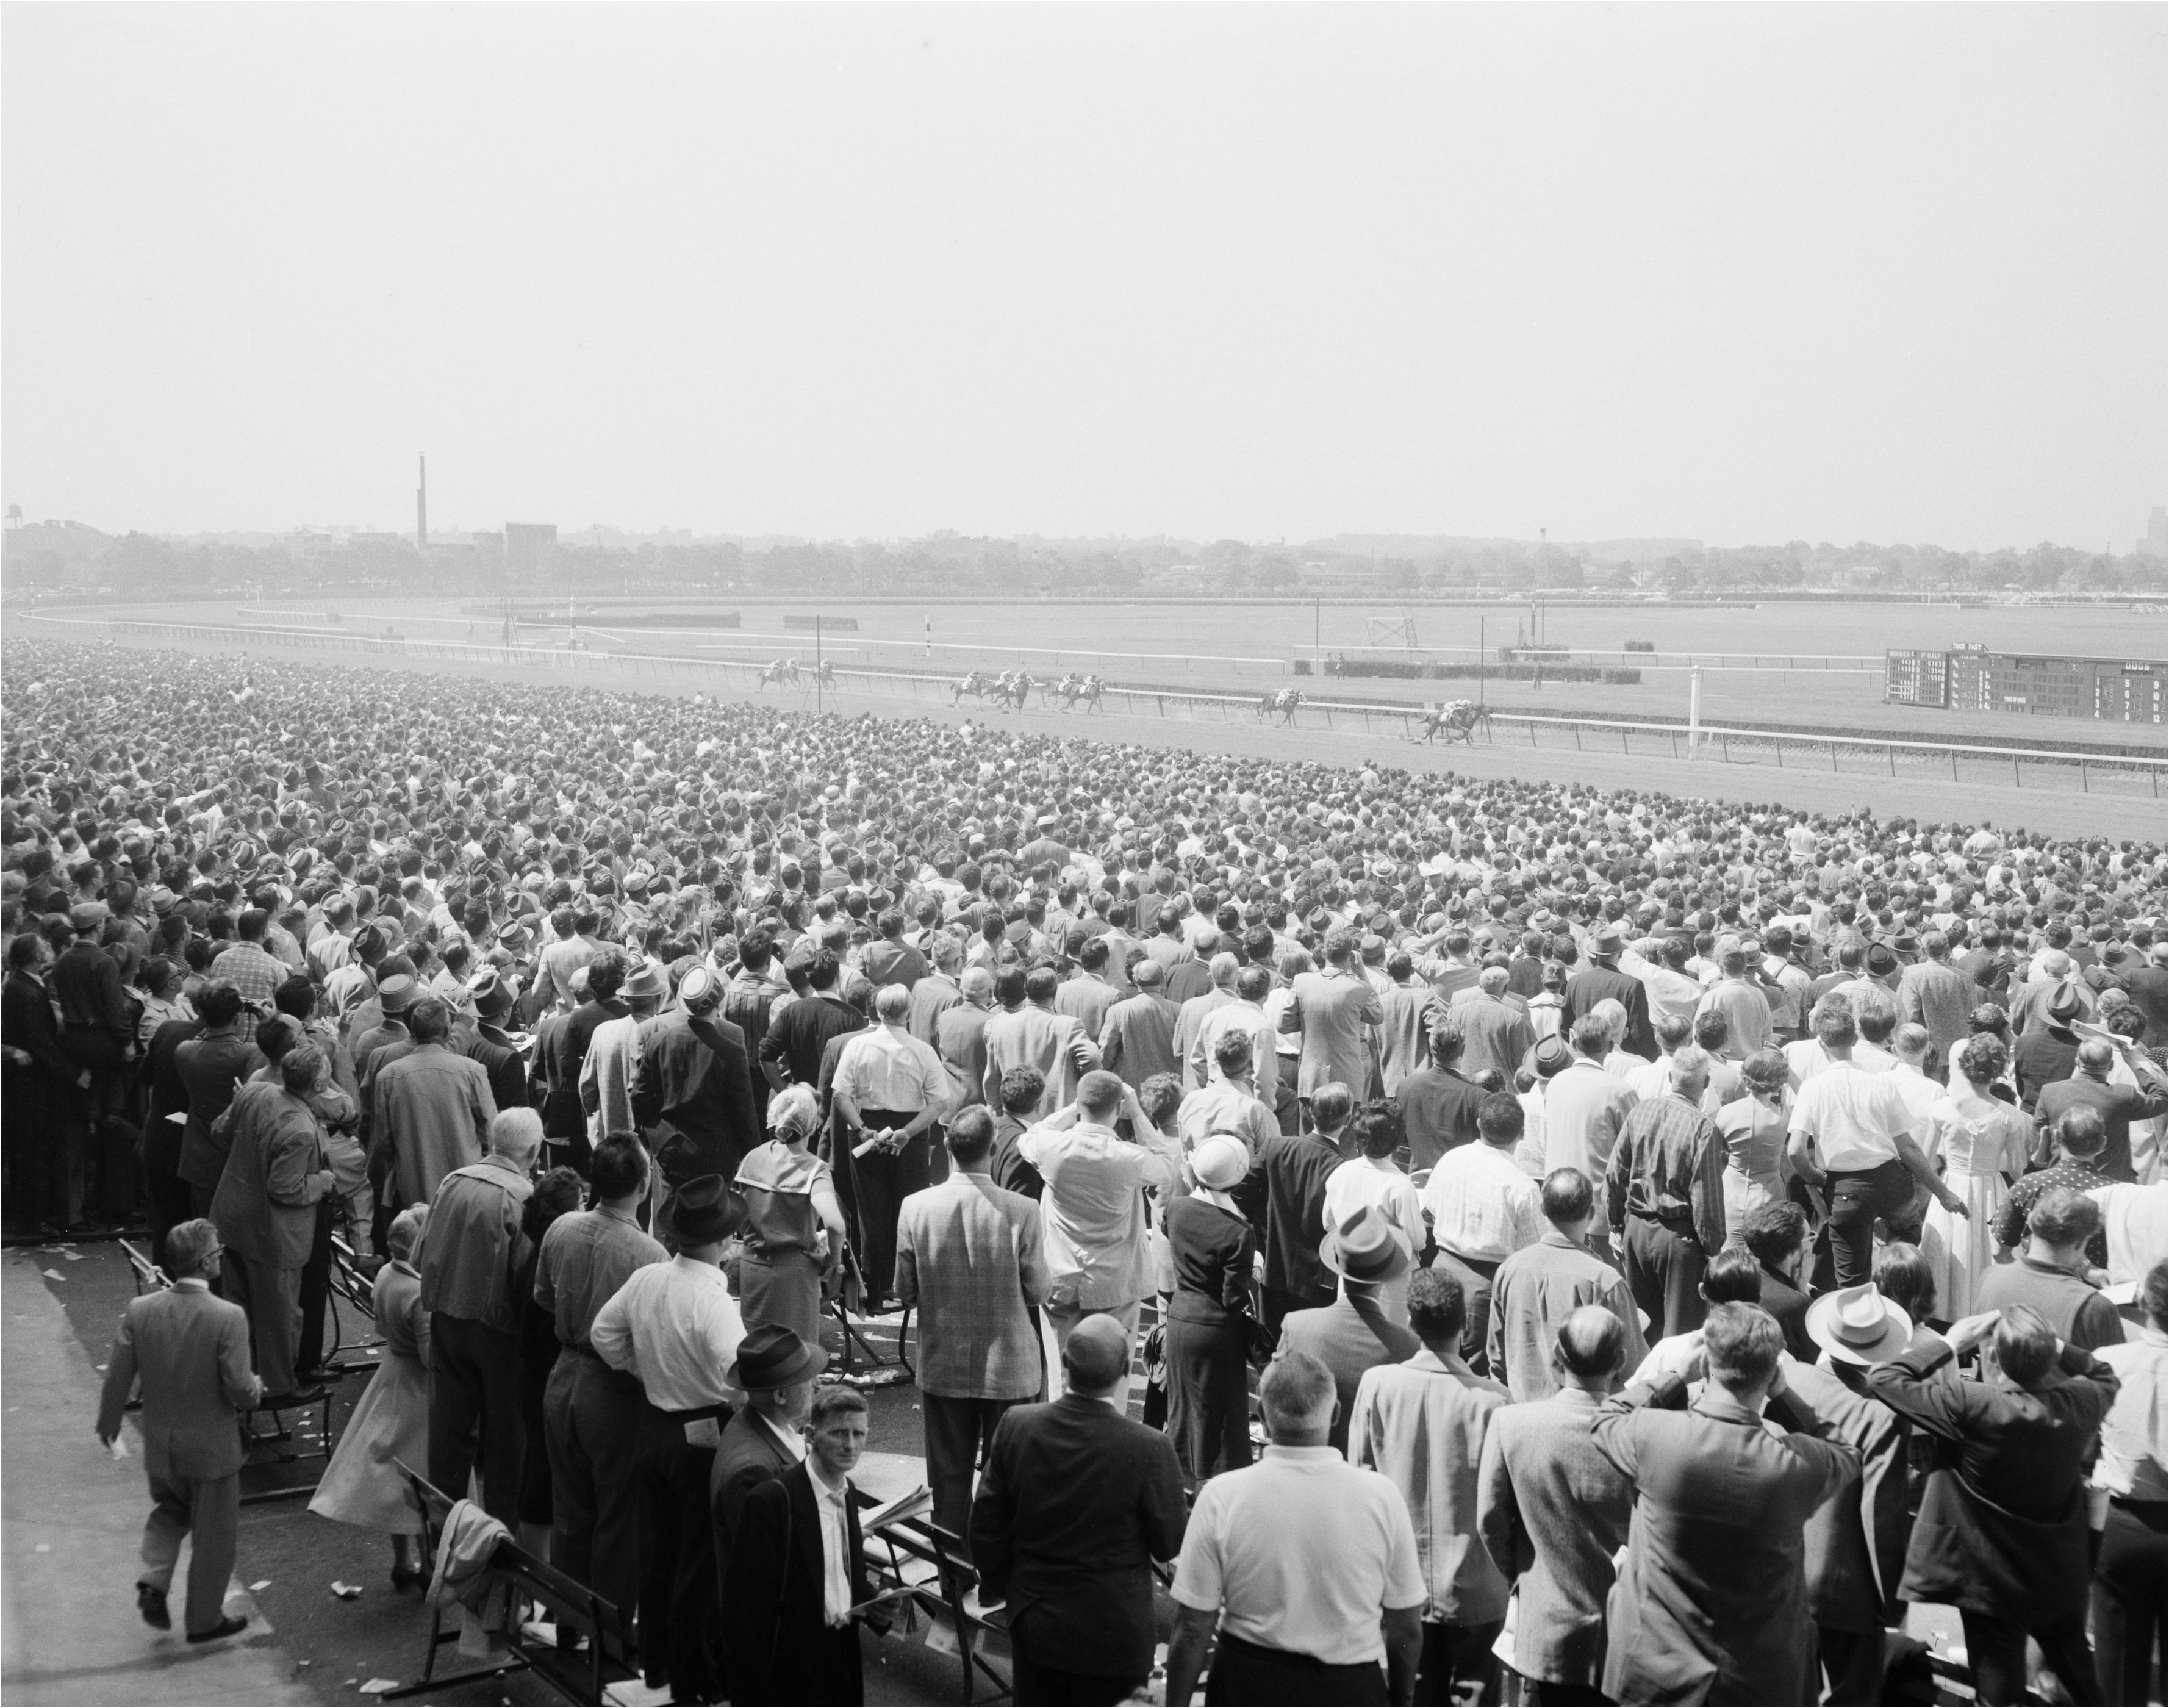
(44, 1092)
(790, 1054)
(1601, 979)
(1075, 1502)
(565, 1121)
(2002, 1534)
(211, 1065)
(166, 1098)
(691, 1071)
(1295, 1171)
(798, 1568)
(1783, 1244)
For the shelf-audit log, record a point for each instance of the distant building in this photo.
(522, 546)
(1973, 679)
(2156, 545)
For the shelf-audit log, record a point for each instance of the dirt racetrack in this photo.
(2060, 807)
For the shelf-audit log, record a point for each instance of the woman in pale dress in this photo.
(363, 1484)
(1981, 1143)
(1754, 1130)
(794, 1227)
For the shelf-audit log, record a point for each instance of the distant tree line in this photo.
(150, 565)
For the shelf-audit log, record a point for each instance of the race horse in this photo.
(1089, 689)
(1286, 701)
(1013, 689)
(1457, 717)
(824, 673)
(783, 672)
(972, 683)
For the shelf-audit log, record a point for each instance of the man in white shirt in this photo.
(891, 1090)
(1245, 1014)
(1852, 1134)
(1372, 1179)
(676, 1328)
(1483, 1207)
(1092, 1210)
(1229, 1101)
(1306, 1564)
(1584, 1107)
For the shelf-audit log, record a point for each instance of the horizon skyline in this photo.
(1881, 274)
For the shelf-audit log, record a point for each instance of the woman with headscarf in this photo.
(1209, 1319)
(1982, 1142)
(363, 1484)
(1753, 1129)
(794, 1226)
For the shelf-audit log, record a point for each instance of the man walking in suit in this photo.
(1076, 1503)
(798, 1568)
(1136, 1039)
(971, 1257)
(190, 1350)
(265, 1208)
(1353, 1334)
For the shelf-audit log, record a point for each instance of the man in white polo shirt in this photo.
(1307, 1563)
(1851, 1134)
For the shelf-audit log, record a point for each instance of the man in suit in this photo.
(798, 1033)
(265, 1208)
(889, 959)
(798, 1568)
(1601, 979)
(2003, 1533)
(2118, 1105)
(1353, 1333)
(211, 1066)
(1711, 1603)
(1190, 1016)
(190, 1351)
(1088, 996)
(971, 1257)
(492, 998)
(1334, 1011)
(1136, 1039)
(960, 1035)
(692, 1071)
(1076, 1503)
(1554, 1512)
(1297, 1167)
(1028, 1032)
(775, 1369)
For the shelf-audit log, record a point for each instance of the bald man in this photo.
(1075, 1502)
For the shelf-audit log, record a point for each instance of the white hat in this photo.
(1859, 1326)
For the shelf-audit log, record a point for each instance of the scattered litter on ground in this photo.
(346, 1592)
(52, 1275)
(377, 1687)
(260, 1583)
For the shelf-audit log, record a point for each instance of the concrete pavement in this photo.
(71, 1520)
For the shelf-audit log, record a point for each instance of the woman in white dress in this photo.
(363, 1485)
(1754, 1130)
(1981, 1143)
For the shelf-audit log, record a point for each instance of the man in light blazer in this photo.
(971, 1256)
(191, 1349)
(1552, 1511)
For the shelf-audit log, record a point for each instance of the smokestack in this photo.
(421, 507)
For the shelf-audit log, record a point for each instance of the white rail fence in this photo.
(1723, 744)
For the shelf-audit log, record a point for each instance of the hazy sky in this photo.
(1743, 273)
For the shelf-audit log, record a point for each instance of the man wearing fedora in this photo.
(775, 1370)
(1601, 979)
(1353, 1334)
(613, 1054)
(491, 997)
(1856, 1541)
(676, 1327)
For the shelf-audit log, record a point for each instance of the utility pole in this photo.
(1479, 660)
(1694, 712)
(1317, 626)
(817, 661)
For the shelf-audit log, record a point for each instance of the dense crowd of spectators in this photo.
(1554, 1154)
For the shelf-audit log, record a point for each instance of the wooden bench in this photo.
(922, 1540)
(577, 1676)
